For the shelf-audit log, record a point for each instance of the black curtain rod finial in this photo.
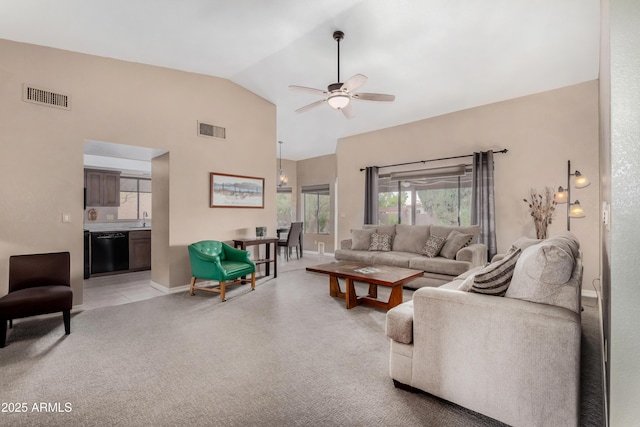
(503, 151)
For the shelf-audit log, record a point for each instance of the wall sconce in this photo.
(574, 210)
(282, 178)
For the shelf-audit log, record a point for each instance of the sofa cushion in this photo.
(495, 278)
(386, 229)
(433, 245)
(543, 273)
(399, 326)
(394, 258)
(380, 242)
(439, 265)
(361, 239)
(455, 241)
(382, 229)
(410, 238)
(357, 256)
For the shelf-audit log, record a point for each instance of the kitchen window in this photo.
(135, 198)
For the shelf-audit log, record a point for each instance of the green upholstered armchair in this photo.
(213, 260)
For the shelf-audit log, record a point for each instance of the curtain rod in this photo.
(503, 151)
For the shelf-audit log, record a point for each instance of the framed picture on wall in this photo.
(236, 191)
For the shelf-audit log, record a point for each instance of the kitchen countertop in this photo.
(109, 228)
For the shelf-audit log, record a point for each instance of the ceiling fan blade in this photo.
(310, 106)
(354, 82)
(308, 90)
(373, 97)
(348, 111)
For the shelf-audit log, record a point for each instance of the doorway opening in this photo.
(119, 222)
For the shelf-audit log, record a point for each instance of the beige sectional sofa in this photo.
(460, 252)
(514, 358)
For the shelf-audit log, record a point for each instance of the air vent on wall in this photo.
(212, 131)
(45, 97)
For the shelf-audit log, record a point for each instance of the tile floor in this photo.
(118, 289)
(129, 287)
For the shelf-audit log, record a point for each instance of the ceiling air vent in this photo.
(46, 97)
(212, 131)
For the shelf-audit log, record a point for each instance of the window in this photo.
(286, 213)
(135, 198)
(317, 209)
(439, 200)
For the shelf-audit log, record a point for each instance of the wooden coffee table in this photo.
(374, 275)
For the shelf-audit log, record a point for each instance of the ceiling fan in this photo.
(339, 95)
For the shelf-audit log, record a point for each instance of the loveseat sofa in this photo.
(515, 358)
(458, 250)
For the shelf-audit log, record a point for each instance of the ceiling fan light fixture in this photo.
(339, 94)
(338, 101)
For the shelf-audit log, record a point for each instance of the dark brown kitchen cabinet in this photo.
(103, 187)
(140, 250)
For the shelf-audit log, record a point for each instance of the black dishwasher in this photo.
(109, 252)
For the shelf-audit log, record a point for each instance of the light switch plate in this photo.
(66, 217)
(606, 215)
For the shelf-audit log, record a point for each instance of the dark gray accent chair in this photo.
(38, 284)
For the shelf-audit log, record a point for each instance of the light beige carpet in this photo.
(285, 354)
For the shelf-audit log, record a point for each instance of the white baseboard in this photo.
(588, 293)
(166, 290)
(328, 254)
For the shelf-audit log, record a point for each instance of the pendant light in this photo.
(282, 178)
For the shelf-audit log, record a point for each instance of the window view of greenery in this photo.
(424, 201)
(285, 211)
(135, 198)
(316, 213)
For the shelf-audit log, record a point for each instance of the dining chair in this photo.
(292, 240)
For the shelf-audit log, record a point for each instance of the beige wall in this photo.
(318, 171)
(160, 206)
(41, 166)
(541, 132)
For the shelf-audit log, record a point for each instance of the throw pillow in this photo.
(361, 239)
(495, 278)
(433, 246)
(545, 273)
(455, 242)
(380, 242)
(445, 230)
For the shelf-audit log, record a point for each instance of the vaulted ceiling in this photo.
(435, 56)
